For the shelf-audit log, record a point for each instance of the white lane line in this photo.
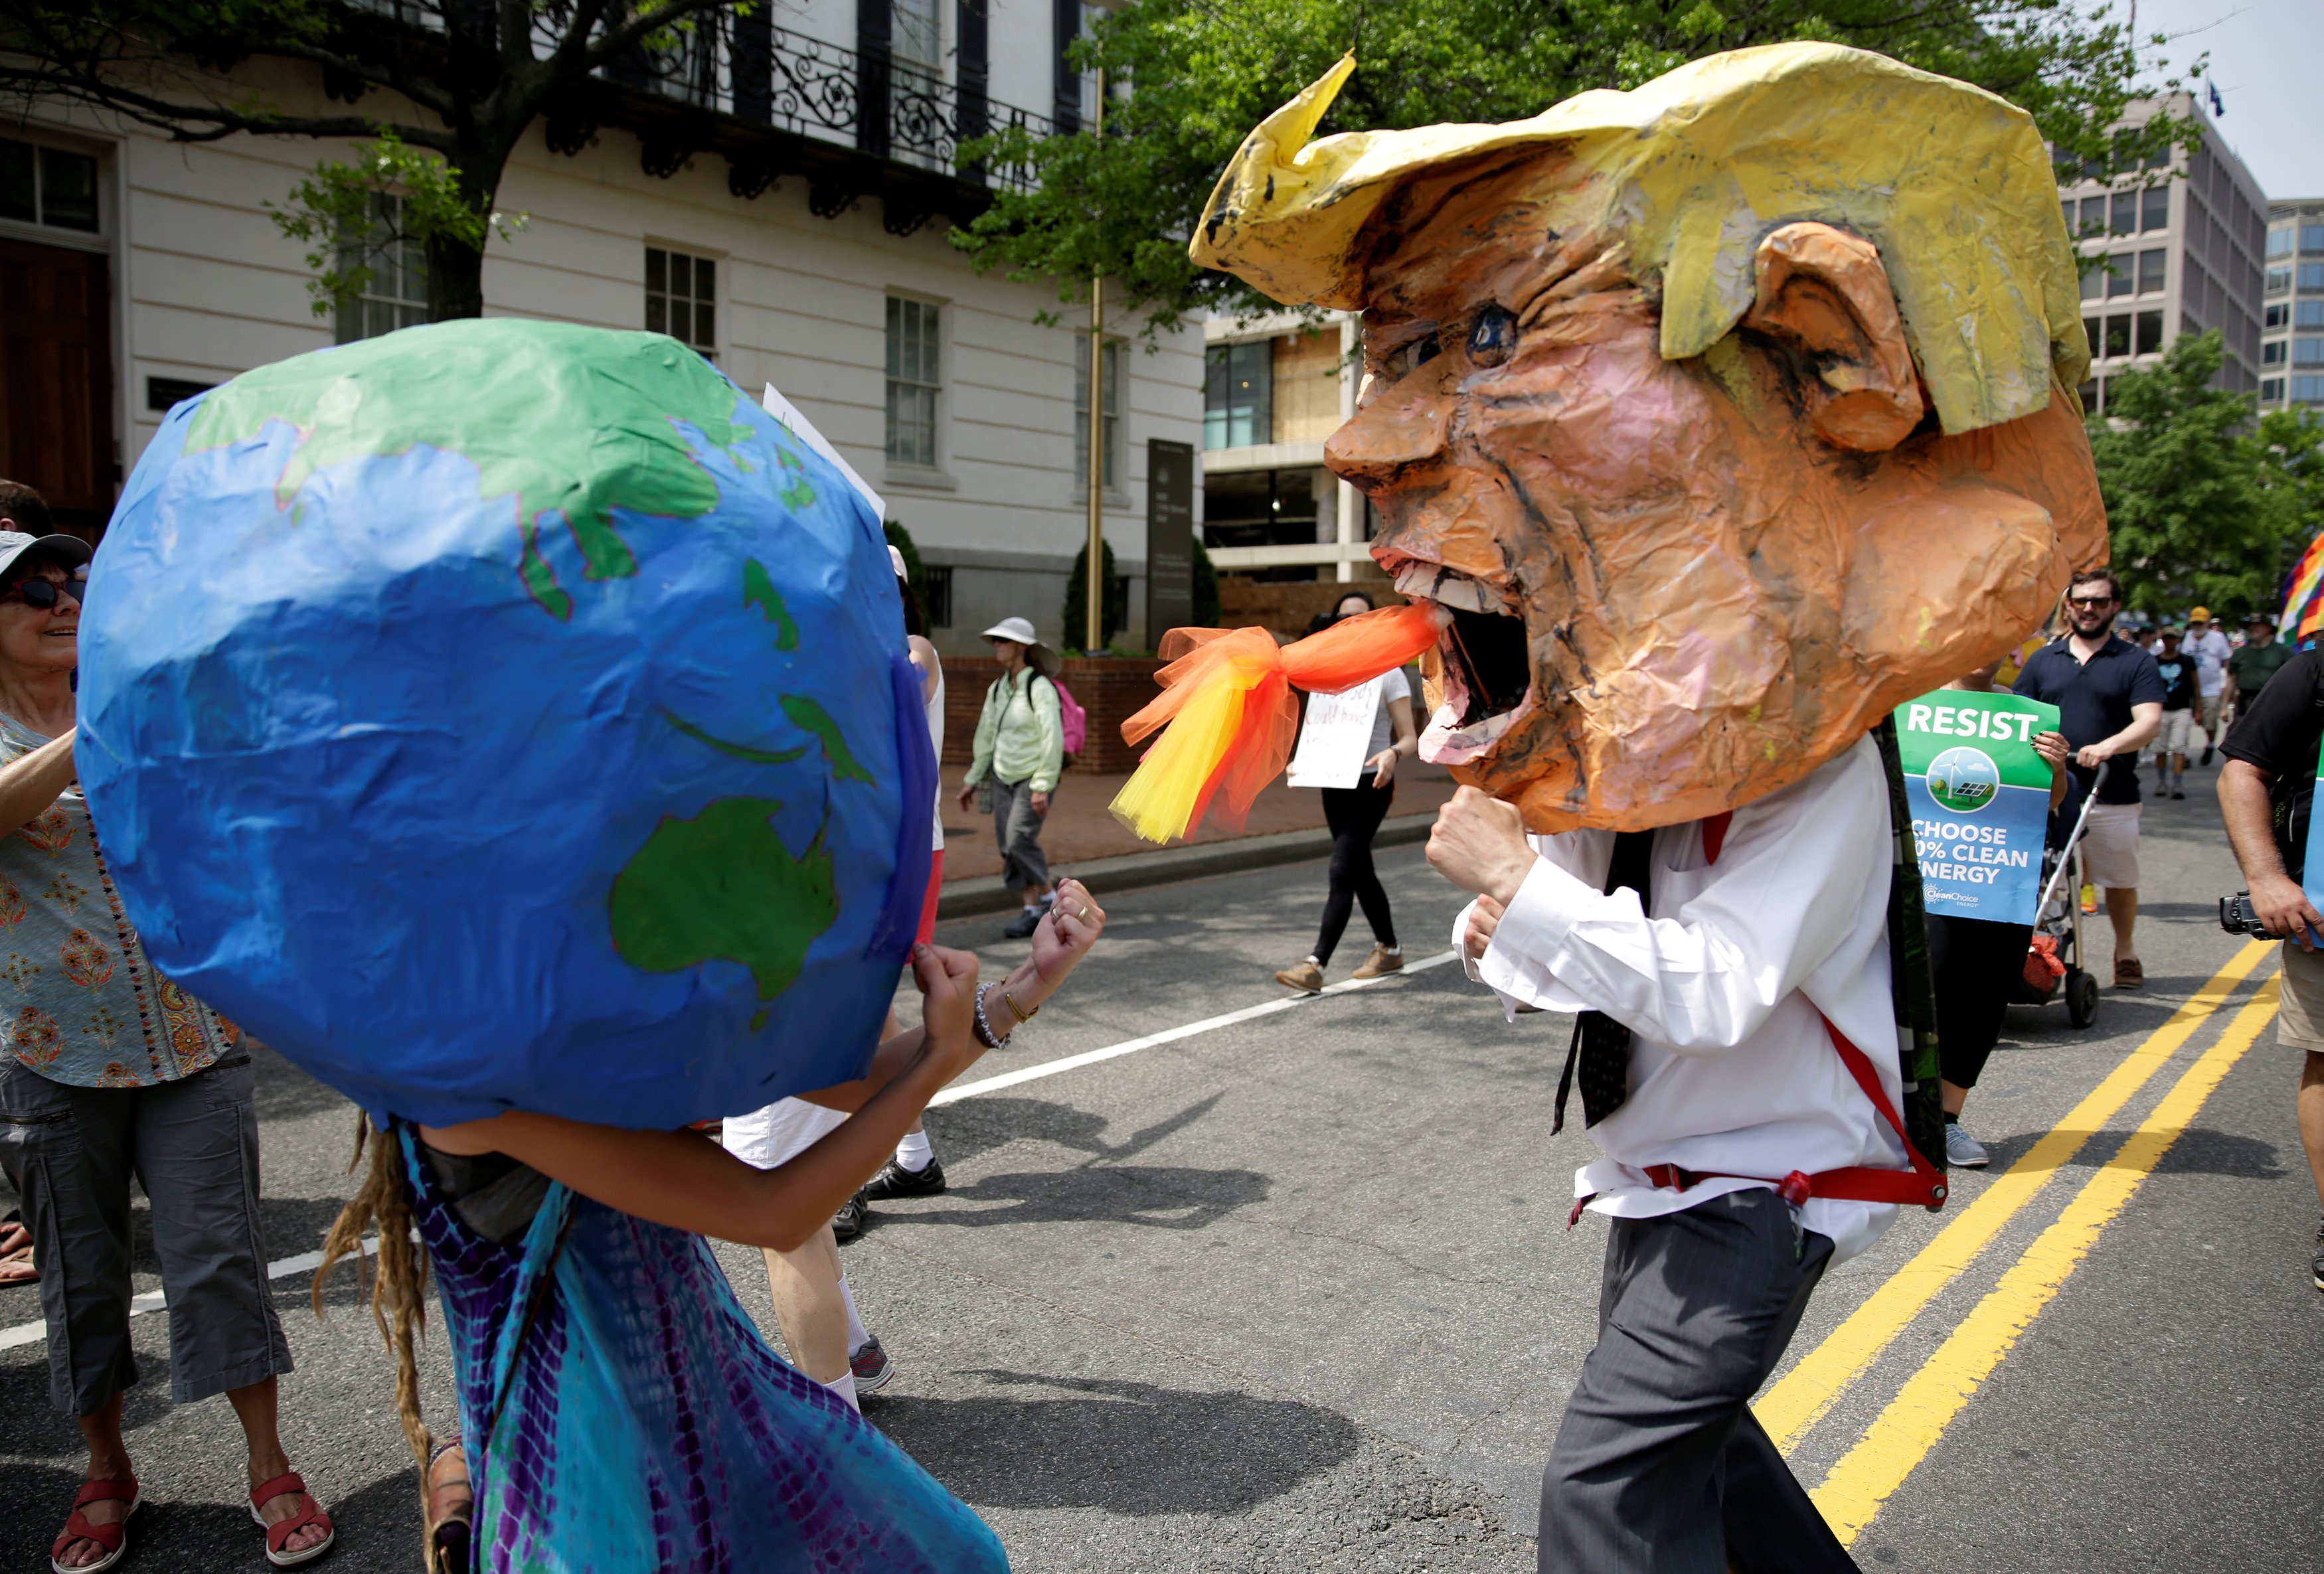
(24, 1333)
(1172, 1036)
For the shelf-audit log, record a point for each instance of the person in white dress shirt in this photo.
(1719, 421)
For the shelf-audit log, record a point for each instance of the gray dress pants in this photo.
(192, 1145)
(1660, 1467)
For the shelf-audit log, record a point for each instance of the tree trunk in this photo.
(456, 269)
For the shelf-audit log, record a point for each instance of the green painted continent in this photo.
(572, 420)
(723, 885)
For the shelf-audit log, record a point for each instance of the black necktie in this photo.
(1601, 1044)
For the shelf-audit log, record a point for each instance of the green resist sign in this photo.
(1980, 798)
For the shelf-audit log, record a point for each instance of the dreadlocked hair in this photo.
(381, 1204)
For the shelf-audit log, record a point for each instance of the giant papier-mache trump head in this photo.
(1725, 414)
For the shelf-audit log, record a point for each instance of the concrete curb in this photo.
(1130, 871)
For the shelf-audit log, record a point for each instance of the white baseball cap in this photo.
(70, 550)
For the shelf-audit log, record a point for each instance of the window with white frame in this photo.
(914, 380)
(47, 185)
(682, 299)
(1112, 372)
(395, 293)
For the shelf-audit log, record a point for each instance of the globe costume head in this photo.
(511, 715)
(1721, 416)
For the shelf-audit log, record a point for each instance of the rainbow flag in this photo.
(2303, 604)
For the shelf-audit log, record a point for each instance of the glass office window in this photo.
(2271, 352)
(2280, 242)
(2271, 389)
(2117, 335)
(2307, 390)
(2150, 333)
(2312, 275)
(1113, 406)
(2125, 213)
(2155, 208)
(397, 294)
(2311, 236)
(2308, 313)
(2094, 214)
(2119, 279)
(51, 186)
(2276, 316)
(682, 300)
(2150, 270)
(1238, 394)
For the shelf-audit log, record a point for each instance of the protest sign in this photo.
(1335, 739)
(1981, 800)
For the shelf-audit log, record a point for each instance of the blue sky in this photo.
(2267, 60)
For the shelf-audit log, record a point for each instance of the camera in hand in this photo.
(2237, 917)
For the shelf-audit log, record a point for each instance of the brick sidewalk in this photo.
(1079, 828)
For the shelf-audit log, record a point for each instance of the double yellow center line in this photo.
(1906, 1432)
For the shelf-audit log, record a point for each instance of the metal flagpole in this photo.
(1093, 620)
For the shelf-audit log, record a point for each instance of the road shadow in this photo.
(2200, 1150)
(1160, 1196)
(1127, 1448)
(975, 1127)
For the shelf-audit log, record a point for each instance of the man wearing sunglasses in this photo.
(2110, 696)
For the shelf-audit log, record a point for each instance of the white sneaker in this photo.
(1962, 1151)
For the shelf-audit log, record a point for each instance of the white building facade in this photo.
(741, 204)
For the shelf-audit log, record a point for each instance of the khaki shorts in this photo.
(2173, 739)
(2111, 847)
(2299, 1020)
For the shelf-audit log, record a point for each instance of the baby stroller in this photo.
(2053, 968)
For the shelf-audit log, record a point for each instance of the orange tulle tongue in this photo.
(1227, 701)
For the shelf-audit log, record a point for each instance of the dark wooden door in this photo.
(56, 379)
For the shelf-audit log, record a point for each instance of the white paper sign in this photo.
(1336, 738)
(799, 427)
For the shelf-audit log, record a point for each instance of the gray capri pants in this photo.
(193, 1146)
(1017, 829)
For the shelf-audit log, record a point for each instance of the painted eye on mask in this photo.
(1492, 336)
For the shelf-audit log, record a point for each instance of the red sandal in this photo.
(277, 1535)
(114, 1538)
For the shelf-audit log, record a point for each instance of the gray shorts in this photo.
(192, 1146)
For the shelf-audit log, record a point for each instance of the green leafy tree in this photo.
(1203, 73)
(2197, 507)
(472, 78)
(1116, 610)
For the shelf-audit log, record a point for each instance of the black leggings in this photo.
(1976, 964)
(1355, 815)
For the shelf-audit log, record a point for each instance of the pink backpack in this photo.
(1072, 721)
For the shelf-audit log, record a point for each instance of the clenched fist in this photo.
(1479, 845)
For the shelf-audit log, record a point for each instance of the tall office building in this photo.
(2291, 324)
(2181, 256)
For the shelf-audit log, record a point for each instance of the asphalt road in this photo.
(1295, 1293)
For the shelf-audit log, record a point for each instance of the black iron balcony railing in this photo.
(870, 99)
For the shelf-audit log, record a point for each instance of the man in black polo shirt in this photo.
(2110, 696)
(2265, 794)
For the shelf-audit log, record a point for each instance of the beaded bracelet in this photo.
(984, 1028)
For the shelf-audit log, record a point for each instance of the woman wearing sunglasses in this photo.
(112, 1070)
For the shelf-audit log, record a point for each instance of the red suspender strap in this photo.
(1925, 1184)
(1714, 833)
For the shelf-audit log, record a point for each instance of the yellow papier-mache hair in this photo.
(1953, 184)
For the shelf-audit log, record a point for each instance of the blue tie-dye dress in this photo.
(622, 1414)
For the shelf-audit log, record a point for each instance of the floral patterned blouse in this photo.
(78, 1000)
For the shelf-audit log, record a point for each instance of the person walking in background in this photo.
(2250, 668)
(2179, 701)
(1020, 746)
(1976, 964)
(115, 1073)
(1355, 815)
(2267, 799)
(2109, 697)
(2210, 649)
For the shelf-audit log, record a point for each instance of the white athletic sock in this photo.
(845, 1389)
(858, 1336)
(1393, 950)
(915, 1152)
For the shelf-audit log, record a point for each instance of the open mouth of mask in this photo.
(1487, 668)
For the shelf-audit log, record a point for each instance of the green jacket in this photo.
(1021, 735)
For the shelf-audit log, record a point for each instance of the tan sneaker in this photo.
(1381, 961)
(1302, 975)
